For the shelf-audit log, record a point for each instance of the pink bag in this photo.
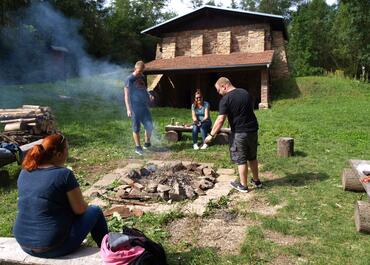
(119, 257)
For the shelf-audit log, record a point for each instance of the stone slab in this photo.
(226, 178)
(135, 166)
(11, 253)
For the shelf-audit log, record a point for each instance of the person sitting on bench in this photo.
(201, 119)
(53, 218)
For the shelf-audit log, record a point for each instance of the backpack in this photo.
(154, 253)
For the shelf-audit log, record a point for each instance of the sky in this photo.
(183, 6)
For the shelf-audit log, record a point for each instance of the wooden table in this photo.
(362, 208)
(174, 133)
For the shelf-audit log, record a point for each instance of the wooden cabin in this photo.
(197, 48)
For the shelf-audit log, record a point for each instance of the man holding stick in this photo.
(236, 105)
(137, 104)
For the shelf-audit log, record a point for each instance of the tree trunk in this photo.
(362, 216)
(351, 181)
(285, 147)
(172, 136)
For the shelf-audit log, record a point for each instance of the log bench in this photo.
(11, 253)
(174, 134)
(362, 208)
(8, 159)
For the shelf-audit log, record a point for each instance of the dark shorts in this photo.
(243, 147)
(141, 115)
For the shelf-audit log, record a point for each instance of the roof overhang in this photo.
(211, 63)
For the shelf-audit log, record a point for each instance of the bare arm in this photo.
(76, 200)
(218, 124)
(127, 101)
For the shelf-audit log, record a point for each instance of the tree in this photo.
(196, 3)
(233, 4)
(351, 33)
(310, 46)
(250, 5)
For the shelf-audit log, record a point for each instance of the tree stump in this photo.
(285, 146)
(362, 216)
(222, 138)
(172, 136)
(351, 181)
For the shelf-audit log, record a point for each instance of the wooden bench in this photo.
(11, 253)
(8, 159)
(174, 133)
(362, 208)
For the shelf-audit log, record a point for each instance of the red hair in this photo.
(45, 152)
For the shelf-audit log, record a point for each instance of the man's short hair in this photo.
(223, 81)
(139, 64)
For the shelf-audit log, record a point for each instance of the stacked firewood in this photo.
(26, 124)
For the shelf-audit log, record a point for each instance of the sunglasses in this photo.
(198, 98)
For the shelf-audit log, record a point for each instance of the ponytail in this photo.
(44, 153)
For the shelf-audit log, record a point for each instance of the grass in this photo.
(327, 117)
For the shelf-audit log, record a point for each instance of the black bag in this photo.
(154, 253)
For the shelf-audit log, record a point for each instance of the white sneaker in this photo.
(204, 146)
(195, 146)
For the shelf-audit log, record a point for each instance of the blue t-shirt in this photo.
(44, 216)
(138, 93)
(200, 112)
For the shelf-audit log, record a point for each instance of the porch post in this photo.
(265, 93)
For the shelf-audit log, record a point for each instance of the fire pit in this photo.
(170, 181)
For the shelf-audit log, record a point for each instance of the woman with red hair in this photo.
(53, 218)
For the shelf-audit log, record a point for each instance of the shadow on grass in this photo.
(194, 256)
(285, 88)
(8, 180)
(299, 179)
(300, 153)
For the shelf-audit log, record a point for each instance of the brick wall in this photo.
(279, 67)
(247, 38)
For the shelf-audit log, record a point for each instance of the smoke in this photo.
(44, 46)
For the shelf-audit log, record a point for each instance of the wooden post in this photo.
(362, 216)
(285, 146)
(351, 181)
(265, 93)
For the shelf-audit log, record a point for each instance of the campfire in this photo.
(26, 124)
(169, 182)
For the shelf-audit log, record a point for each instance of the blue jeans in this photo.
(204, 129)
(91, 221)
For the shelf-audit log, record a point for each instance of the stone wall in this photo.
(196, 45)
(246, 38)
(279, 67)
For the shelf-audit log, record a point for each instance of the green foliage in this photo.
(213, 205)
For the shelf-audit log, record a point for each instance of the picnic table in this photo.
(362, 208)
(10, 158)
(174, 133)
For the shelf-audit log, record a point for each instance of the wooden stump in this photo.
(351, 181)
(285, 146)
(222, 138)
(172, 136)
(362, 216)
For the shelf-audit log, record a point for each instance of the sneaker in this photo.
(256, 183)
(195, 146)
(238, 186)
(139, 150)
(204, 146)
(147, 145)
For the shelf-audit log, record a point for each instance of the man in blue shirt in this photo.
(137, 101)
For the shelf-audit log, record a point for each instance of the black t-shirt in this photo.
(237, 105)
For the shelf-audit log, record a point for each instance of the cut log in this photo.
(31, 107)
(172, 136)
(17, 126)
(351, 181)
(285, 146)
(19, 120)
(362, 216)
(222, 138)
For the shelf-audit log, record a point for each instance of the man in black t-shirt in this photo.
(236, 105)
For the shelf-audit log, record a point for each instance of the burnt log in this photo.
(222, 138)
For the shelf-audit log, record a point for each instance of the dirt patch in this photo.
(263, 207)
(281, 239)
(226, 233)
